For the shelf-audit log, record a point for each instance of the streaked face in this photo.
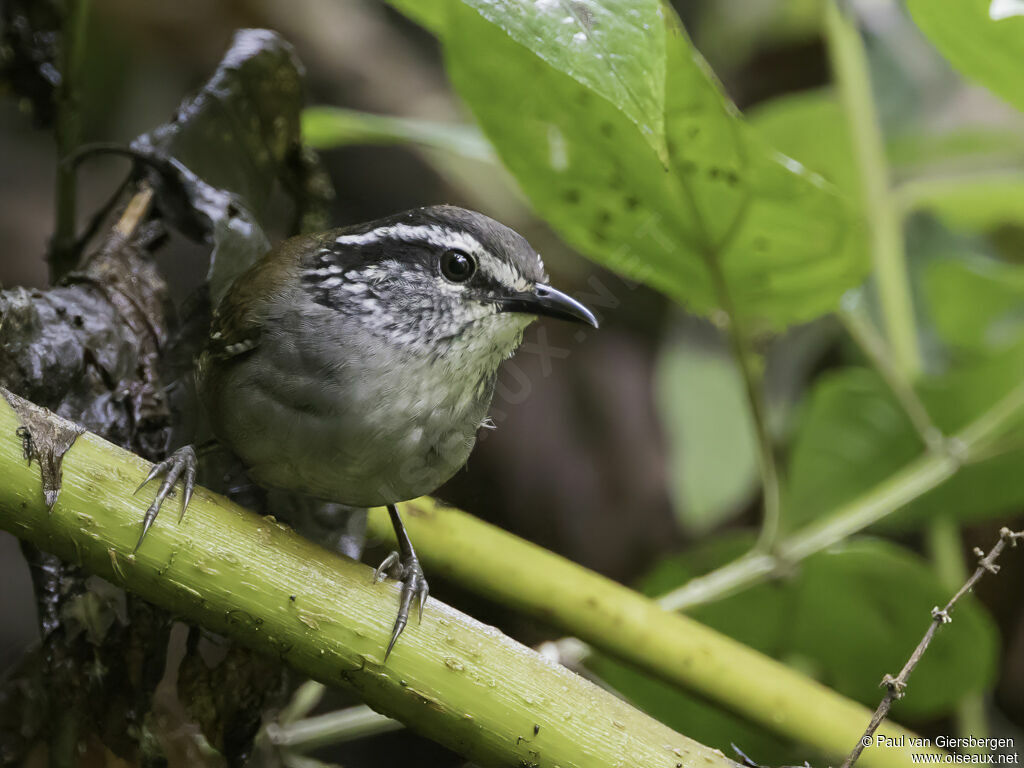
(436, 279)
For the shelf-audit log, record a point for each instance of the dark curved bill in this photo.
(549, 302)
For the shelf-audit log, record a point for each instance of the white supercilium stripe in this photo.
(435, 234)
(443, 237)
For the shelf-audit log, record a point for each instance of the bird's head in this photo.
(441, 281)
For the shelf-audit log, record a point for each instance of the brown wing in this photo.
(238, 320)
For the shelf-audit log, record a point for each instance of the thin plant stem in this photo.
(918, 477)
(896, 686)
(349, 724)
(753, 384)
(67, 133)
(857, 323)
(850, 68)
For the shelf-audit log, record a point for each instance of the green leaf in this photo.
(964, 149)
(972, 203)
(986, 49)
(976, 303)
(783, 242)
(811, 128)
(429, 14)
(615, 48)
(854, 435)
(328, 127)
(846, 616)
(712, 452)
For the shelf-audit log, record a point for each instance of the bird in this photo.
(357, 365)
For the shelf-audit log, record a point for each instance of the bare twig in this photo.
(896, 686)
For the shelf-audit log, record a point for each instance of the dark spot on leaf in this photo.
(583, 98)
(78, 321)
(599, 236)
(632, 203)
(581, 12)
(571, 196)
(292, 598)
(607, 130)
(714, 172)
(693, 131)
(536, 729)
(732, 178)
(604, 218)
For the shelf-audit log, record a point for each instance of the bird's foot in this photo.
(414, 587)
(179, 465)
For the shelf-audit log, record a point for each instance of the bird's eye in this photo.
(457, 266)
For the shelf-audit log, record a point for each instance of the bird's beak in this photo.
(545, 300)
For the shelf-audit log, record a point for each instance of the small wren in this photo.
(357, 365)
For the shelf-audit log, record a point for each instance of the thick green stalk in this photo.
(450, 678)
(616, 620)
(634, 628)
(850, 68)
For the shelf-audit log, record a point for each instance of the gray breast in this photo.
(333, 413)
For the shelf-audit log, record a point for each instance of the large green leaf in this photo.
(972, 203)
(783, 241)
(712, 451)
(846, 616)
(976, 303)
(985, 46)
(854, 434)
(964, 149)
(810, 127)
(615, 48)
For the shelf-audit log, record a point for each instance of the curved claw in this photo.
(386, 565)
(414, 587)
(180, 464)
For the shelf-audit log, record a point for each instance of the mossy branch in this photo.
(450, 678)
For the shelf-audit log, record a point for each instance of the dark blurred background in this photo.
(578, 462)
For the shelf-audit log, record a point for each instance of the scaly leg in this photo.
(405, 566)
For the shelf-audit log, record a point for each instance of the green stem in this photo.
(67, 132)
(853, 317)
(631, 627)
(618, 621)
(850, 68)
(754, 387)
(458, 682)
(332, 728)
(917, 478)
